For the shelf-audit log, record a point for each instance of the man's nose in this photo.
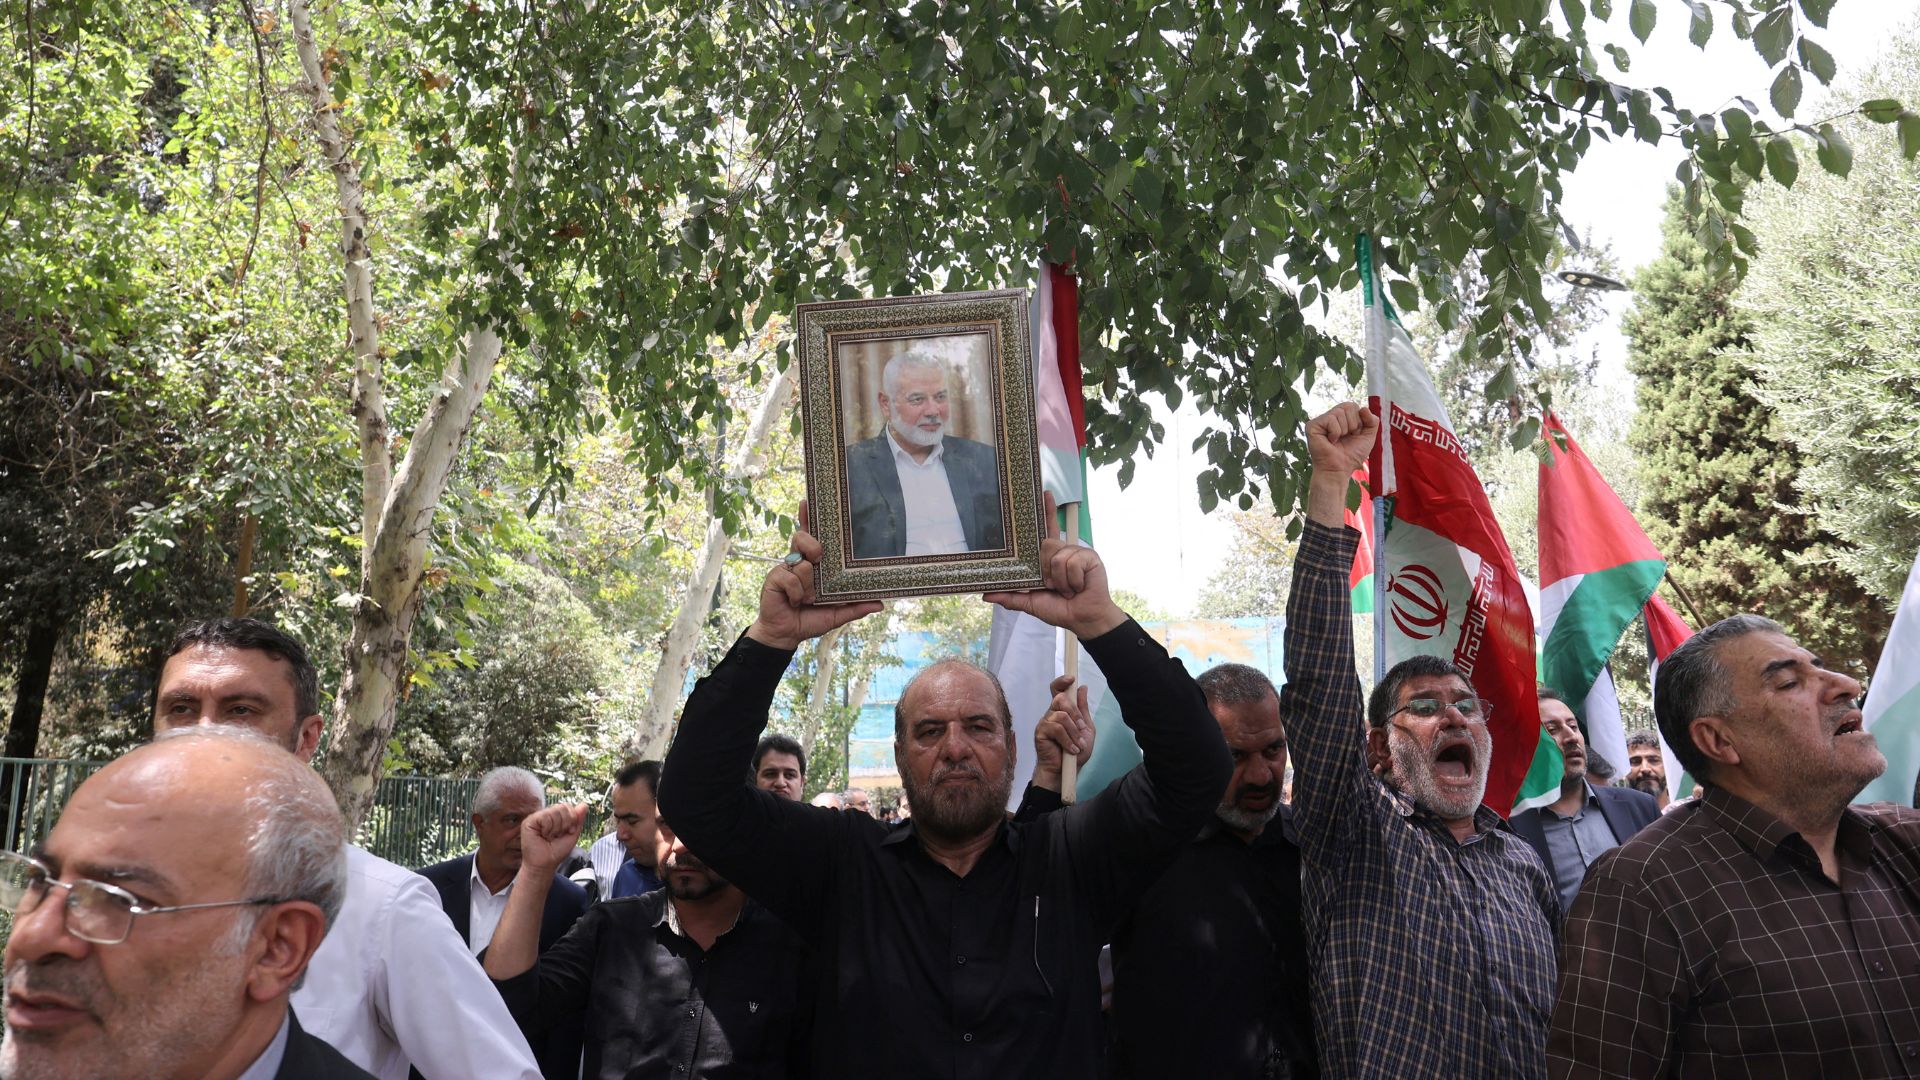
(1844, 686)
(43, 932)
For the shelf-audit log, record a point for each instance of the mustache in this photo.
(972, 772)
(1271, 788)
(54, 979)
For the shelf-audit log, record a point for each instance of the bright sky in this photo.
(1154, 537)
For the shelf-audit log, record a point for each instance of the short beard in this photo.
(1246, 821)
(959, 814)
(1649, 783)
(1413, 770)
(914, 435)
(694, 890)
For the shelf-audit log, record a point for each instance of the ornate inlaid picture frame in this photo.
(923, 466)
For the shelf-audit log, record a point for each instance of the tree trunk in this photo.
(30, 688)
(243, 565)
(374, 671)
(824, 653)
(655, 729)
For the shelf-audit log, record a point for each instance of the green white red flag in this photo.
(1893, 701)
(1446, 583)
(1597, 570)
(1360, 578)
(1023, 652)
(1665, 631)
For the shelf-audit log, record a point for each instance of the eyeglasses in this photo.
(95, 911)
(1473, 710)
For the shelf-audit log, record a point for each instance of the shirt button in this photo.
(690, 1012)
(1879, 967)
(968, 1037)
(1913, 1050)
(959, 959)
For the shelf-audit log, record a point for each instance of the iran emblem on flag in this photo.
(1448, 585)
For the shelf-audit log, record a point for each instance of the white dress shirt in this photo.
(933, 521)
(605, 856)
(485, 909)
(393, 984)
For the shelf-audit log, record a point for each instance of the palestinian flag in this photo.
(1893, 701)
(1665, 631)
(1360, 578)
(1451, 588)
(1023, 652)
(1597, 569)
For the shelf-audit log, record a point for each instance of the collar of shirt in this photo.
(1765, 835)
(903, 833)
(1484, 819)
(902, 457)
(1592, 802)
(267, 1065)
(479, 887)
(671, 919)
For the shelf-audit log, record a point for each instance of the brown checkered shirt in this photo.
(1712, 945)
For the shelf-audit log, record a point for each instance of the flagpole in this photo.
(1685, 599)
(1070, 667)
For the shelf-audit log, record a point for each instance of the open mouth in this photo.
(1849, 726)
(1454, 762)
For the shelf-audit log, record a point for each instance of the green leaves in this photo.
(1785, 94)
(1773, 35)
(1700, 24)
(1835, 152)
(1817, 60)
(1783, 163)
(1640, 18)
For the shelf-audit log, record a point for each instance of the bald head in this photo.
(224, 825)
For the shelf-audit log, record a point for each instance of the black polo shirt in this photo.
(924, 973)
(1210, 968)
(659, 1006)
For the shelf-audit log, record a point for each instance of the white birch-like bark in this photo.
(397, 505)
(368, 401)
(655, 728)
(825, 651)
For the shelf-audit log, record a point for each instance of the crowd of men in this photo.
(213, 921)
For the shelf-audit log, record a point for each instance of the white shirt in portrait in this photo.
(933, 520)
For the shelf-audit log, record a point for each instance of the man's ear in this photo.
(1714, 737)
(308, 742)
(1379, 759)
(283, 941)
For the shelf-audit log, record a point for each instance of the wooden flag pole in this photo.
(1070, 765)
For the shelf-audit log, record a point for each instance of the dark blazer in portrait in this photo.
(878, 509)
(558, 1050)
(1626, 811)
(307, 1058)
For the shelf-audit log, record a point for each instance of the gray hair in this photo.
(1643, 738)
(999, 694)
(1692, 683)
(911, 360)
(1235, 684)
(498, 783)
(296, 839)
(1386, 693)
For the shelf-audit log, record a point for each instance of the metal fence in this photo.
(414, 820)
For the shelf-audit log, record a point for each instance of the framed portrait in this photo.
(923, 468)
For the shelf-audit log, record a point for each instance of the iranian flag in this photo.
(1597, 570)
(1665, 631)
(1023, 652)
(1893, 701)
(1446, 581)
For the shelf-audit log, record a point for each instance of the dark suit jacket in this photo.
(558, 1049)
(879, 510)
(308, 1058)
(1626, 811)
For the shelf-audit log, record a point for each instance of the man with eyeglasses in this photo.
(136, 955)
(915, 489)
(393, 984)
(1430, 925)
(1586, 821)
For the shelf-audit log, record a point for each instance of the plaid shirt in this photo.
(1712, 945)
(1431, 958)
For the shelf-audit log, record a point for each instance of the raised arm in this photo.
(1321, 703)
(1121, 839)
(770, 847)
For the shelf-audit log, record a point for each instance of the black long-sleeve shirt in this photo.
(923, 973)
(659, 1007)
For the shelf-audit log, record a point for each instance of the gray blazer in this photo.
(879, 510)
